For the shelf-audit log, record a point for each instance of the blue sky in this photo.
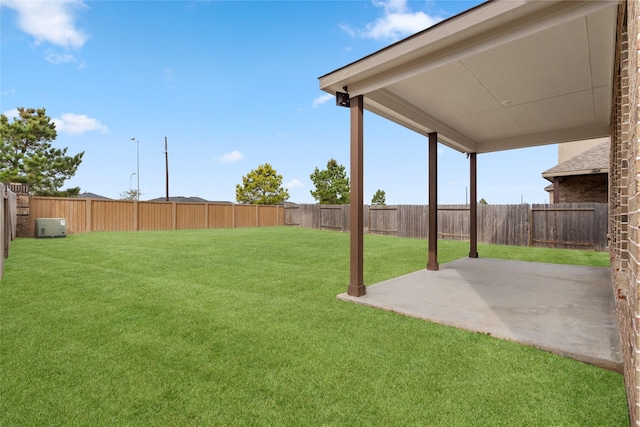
(232, 85)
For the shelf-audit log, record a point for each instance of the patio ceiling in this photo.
(506, 74)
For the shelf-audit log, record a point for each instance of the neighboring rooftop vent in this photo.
(51, 227)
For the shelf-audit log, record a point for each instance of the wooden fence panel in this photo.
(453, 222)
(221, 216)
(111, 215)
(3, 229)
(332, 217)
(292, 215)
(413, 221)
(8, 222)
(84, 215)
(73, 210)
(155, 216)
(190, 216)
(246, 215)
(497, 224)
(270, 216)
(503, 224)
(570, 225)
(383, 220)
(11, 214)
(310, 216)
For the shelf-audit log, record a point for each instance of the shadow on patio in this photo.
(568, 310)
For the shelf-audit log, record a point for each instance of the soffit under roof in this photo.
(506, 74)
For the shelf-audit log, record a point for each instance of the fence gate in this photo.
(569, 226)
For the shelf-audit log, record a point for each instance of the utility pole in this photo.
(166, 162)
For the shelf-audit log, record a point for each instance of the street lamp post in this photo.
(130, 182)
(137, 167)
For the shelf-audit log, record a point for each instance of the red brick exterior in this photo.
(583, 189)
(624, 199)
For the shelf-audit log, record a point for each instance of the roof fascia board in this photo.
(472, 47)
(576, 172)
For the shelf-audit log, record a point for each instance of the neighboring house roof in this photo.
(180, 199)
(594, 160)
(86, 195)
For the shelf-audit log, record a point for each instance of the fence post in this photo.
(530, 225)
(206, 215)
(3, 221)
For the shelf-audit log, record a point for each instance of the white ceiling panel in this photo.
(601, 45)
(545, 64)
(446, 92)
(489, 125)
(602, 105)
(568, 111)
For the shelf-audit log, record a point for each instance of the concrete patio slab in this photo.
(568, 310)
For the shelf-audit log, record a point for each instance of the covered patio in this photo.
(503, 75)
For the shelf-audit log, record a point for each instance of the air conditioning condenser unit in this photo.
(51, 227)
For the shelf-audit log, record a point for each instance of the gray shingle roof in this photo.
(180, 199)
(87, 195)
(594, 160)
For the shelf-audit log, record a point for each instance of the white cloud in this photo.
(294, 183)
(76, 124)
(12, 113)
(50, 21)
(397, 22)
(63, 58)
(322, 99)
(231, 157)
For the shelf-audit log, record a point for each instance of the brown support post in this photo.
(556, 189)
(432, 262)
(356, 219)
(473, 207)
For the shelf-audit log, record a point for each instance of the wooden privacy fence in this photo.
(574, 226)
(7, 222)
(83, 215)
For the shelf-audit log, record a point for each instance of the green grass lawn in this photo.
(242, 327)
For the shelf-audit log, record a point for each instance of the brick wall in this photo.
(624, 199)
(633, 183)
(584, 189)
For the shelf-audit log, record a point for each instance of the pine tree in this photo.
(332, 184)
(261, 186)
(27, 155)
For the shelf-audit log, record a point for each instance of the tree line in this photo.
(27, 156)
(263, 185)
